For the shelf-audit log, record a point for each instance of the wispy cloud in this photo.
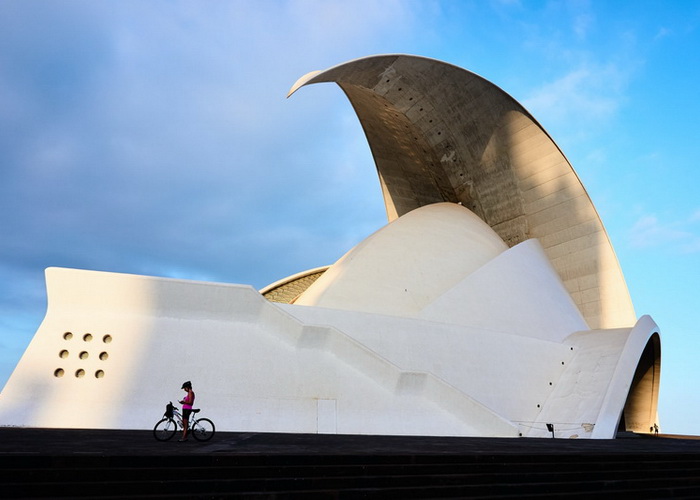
(587, 93)
(156, 138)
(581, 87)
(662, 33)
(679, 236)
(144, 129)
(582, 24)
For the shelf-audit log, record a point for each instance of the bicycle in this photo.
(201, 428)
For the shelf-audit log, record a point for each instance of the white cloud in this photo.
(662, 33)
(582, 24)
(677, 236)
(587, 93)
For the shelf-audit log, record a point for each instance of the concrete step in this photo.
(40, 463)
(601, 469)
(404, 480)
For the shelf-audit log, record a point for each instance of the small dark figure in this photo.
(186, 403)
(656, 430)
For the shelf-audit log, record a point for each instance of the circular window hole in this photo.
(83, 355)
(99, 374)
(58, 373)
(104, 356)
(87, 337)
(80, 373)
(63, 354)
(67, 336)
(107, 339)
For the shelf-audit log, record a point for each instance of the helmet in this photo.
(187, 385)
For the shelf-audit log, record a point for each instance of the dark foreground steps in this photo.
(284, 466)
(348, 477)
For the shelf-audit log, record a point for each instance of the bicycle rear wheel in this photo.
(165, 429)
(203, 429)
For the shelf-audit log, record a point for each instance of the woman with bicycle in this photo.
(186, 403)
(202, 428)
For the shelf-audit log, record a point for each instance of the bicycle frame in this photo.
(177, 417)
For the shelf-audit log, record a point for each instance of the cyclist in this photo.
(186, 403)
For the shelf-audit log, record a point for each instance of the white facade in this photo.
(500, 350)
(434, 325)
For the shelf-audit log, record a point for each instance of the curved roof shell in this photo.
(440, 133)
(440, 245)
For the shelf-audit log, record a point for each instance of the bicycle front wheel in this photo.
(165, 429)
(203, 429)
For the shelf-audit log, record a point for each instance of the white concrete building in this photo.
(492, 304)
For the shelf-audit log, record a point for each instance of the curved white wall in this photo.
(518, 292)
(408, 263)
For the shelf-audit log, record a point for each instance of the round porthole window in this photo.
(67, 336)
(63, 354)
(58, 373)
(83, 355)
(107, 339)
(104, 356)
(99, 374)
(80, 373)
(87, 337)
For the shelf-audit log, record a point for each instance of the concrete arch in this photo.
(640, 413)
(440, 133)
(631, 399)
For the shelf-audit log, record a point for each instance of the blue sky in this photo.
(154, 137)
